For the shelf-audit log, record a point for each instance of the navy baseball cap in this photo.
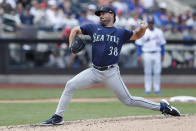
(150, 19)
(106, 9)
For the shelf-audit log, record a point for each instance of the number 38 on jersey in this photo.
(113, 51)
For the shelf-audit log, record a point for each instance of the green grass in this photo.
(87, 93)
(13, 94)
(29, 113)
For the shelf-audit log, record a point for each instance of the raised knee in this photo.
(69, 88)
(127, 102)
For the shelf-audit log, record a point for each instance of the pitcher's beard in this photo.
(103, 23)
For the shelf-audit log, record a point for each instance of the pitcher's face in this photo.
(106, 18)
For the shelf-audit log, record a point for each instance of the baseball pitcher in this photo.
(106, 46)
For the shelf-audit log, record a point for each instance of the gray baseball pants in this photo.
(112, 79)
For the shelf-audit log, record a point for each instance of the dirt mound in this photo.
(132, 123)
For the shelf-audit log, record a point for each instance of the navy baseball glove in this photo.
(77, 45)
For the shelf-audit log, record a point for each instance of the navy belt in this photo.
(151, 51)
(103, 68)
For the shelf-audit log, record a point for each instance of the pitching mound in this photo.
(132, 123)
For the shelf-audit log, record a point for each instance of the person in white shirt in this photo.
(55, 16)
(148, 3)
(151, 48)
(133, 21)
(70, 21)
(90, 13)
(121, 20)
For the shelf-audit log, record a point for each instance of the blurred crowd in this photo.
(62, 15)
(30, 16)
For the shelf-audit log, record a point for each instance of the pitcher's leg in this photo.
(82, 80)
(116, 84)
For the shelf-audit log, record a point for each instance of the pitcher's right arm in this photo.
(75, 31)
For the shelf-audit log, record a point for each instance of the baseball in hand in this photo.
(144, 25)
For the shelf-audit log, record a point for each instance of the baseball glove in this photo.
(77, 45)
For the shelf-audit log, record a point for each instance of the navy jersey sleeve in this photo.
(87, 29)
(127, 35)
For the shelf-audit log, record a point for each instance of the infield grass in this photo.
(13, 94)
(31, 113)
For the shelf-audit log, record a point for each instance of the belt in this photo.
(103, 68)
(151, 51)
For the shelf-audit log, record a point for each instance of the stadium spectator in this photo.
(44, 3)
(83, 18)
(67, 6)
(26, 17)
(161, 16)
(7, 13)
(55, 16)
(104, 2)
(148, 4)
(120, 5)
(19, 9)
(133, 20)
(90, 13)
(76, 7)
(172, 21)
(6, 6)
(138, 7)
(24, 2)
(34, 7)
(173, 33)
(188, 55)
(192, 21)
(70, 21)
(187, 12)
(38, 11)
(121, 20)
(182, 22)
(109, 3)
(45, 16)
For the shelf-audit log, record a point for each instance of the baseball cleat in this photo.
(54, 120)
(167, 109)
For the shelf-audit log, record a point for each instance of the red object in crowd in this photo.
(66, 32)
(43, 5)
